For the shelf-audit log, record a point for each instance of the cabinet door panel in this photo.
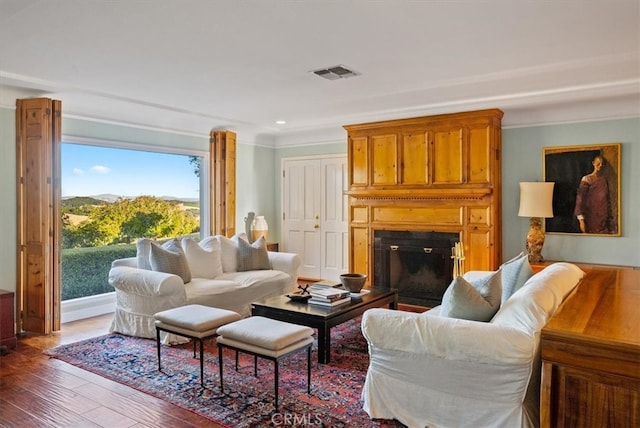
(479, 155)
(359, 157)
(479, 252)
(436, 215)
(479, 216)
(447, 160)
(414, 159)
(384, 157)
(360, 251)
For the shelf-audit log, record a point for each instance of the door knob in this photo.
(316, 226)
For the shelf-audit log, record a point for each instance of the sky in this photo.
(93, 170)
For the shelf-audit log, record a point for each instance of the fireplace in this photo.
(417, 264)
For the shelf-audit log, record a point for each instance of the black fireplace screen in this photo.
(417, 264)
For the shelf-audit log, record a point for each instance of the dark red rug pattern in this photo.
(247, 401)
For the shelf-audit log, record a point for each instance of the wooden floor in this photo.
(38, 391)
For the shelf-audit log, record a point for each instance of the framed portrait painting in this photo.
(586, 196)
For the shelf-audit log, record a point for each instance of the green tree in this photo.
(128, 219)
(195, 163)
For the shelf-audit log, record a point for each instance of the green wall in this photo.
(255, 187)
(8, 197)
(259, 181)
(255, 173)
(522, 161)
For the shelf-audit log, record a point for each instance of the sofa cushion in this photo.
(169, 258)
(253, 256)
(229, 251)
(204, 257)
(476, 300)
(236, 290)
(515, 273)
(143, 251)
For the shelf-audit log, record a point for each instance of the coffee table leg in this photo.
(324, 344)
(394, 303)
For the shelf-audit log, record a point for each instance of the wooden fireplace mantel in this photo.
(435, 173)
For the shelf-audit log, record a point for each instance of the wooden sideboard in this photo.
(7, 319)
(591, 354)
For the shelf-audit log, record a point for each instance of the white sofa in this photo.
(428, 370)
(215, 281)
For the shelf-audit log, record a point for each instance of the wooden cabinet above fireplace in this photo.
(434, 173)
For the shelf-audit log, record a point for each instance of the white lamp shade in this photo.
(536, 199)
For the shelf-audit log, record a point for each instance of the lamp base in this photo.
(535, 240)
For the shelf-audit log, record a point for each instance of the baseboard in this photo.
(412, 308)
(87, 307)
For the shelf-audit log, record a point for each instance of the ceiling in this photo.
(193, 65)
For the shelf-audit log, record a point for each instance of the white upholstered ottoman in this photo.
(196, 322)
(266, 338)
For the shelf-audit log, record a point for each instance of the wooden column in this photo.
(38, 133)
(223, 182)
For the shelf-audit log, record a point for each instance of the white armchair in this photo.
(428, 370)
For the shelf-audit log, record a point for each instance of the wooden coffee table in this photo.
(283, 309)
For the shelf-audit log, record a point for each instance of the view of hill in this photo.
(93, 222)
(79, 201)
(109, 197)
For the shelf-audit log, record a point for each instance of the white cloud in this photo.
(100, 169)
(78, 171)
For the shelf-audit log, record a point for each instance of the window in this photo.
(112, 194)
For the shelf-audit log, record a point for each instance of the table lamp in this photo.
(536, 202)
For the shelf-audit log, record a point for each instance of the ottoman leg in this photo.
(220, 366)
(201, 362)
(309, 370)
(276, 381)
(158, 345)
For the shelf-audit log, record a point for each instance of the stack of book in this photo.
(328, 296)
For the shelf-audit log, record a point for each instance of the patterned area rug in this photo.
(248, 401)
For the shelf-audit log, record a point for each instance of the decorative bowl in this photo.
(299, 296)
(353, 281)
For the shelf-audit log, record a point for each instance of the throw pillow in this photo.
(515, 273)
(478, 300)
(169, 257)
(203, 257)
(143, 250)
(253, 256)
(229, 251)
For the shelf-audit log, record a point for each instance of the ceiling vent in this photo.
(335, 72)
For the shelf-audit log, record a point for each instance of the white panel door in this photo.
(315, 215)
(334, 242)
(301, 214)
